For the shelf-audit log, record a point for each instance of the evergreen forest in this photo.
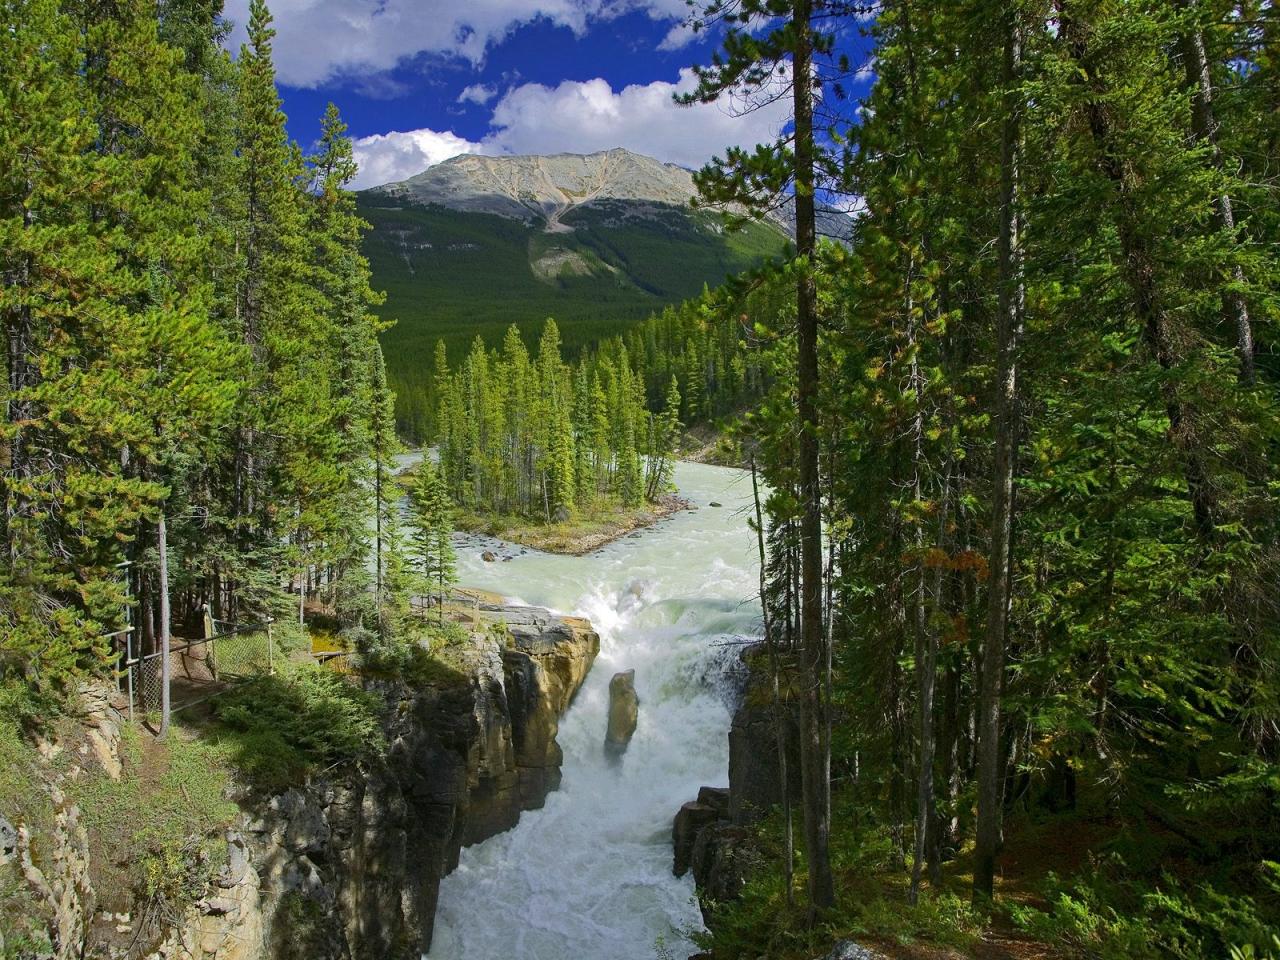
(1014, 445)
(197, 407)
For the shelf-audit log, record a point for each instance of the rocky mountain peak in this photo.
(530, 188)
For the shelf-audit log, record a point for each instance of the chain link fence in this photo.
(199, 669)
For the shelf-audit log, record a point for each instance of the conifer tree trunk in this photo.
(162, 549)
(925, 648)
(812, 706)
(1000, 591)
(780, 718)
(377, 535)
(1204, 125)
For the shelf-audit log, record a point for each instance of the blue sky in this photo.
(421, 80)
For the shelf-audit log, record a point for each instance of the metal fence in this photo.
(198, 669)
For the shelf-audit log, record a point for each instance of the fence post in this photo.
(271, 669)
(209, 645)
(128, 667)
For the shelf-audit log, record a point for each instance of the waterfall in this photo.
(589, 875)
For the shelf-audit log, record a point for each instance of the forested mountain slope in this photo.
(475, 244)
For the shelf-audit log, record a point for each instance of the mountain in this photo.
(537, 189)
(474, 244)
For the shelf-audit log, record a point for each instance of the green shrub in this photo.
(1247, 952)
(1114, 914)
(24, 942)
(283, 728)
(871, 902)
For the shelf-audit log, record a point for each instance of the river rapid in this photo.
(588, 877)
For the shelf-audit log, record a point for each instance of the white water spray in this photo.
(588, 877)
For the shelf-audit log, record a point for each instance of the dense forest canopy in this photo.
(1035, 402)
(1018, 437)
(454, 276)
(191, 353)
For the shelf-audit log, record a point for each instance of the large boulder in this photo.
(624, 711)
(848, 950)
(711, 806)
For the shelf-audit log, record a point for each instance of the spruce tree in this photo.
(432, 519)
(666, 433)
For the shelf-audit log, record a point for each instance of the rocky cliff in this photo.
(710, 835)
(468, 753)
(347, 866)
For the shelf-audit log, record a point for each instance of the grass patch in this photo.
(23, 802)
(156, 833)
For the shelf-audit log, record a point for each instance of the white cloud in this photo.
(388, 157)
(318, 40)
(678, 37)
(585, 116)
(477, 93)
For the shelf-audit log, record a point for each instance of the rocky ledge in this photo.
(712, 836)
(469, 751)
(347, 866)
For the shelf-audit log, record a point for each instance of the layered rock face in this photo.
(467, 755)
(710, 835)
(754, 781)
(349, 866)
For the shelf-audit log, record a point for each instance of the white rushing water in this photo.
(588, 877)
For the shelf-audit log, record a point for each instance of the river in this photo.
(588, 877)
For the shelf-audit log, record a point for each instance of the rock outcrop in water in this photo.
(624, 713)
(711, 835)
(349, 865)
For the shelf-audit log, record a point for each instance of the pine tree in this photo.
(666, 432)
(758, 35)
(114, 373)
(432, 519)
(342, 276)
(630, 478)
(599, 435)
(583, 468)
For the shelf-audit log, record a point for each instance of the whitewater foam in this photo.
(589, 875)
